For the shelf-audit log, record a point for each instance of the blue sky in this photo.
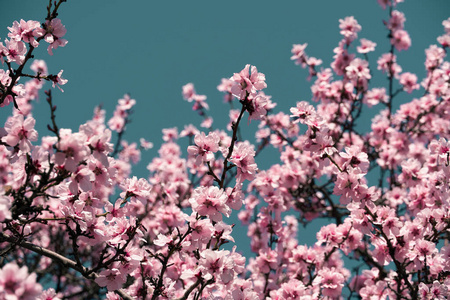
(151, 48)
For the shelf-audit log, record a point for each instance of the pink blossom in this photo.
(434, 57)
(225, 86)
(348, 184)
(162, 240)
(130, 152)
(53, 32)
(205, 147)
(17, 283)
(243, 157)
(126, 103)
(381, 251)
(358, 71)
(376, 290)
(401, 40)
(387, 64)
(409, 82)
(20, 132)
(39, 67)
(349, 28)
(50, 294)
(444, 40)
(341, 59)
(210, 201)
(114, 211)
(101, 146)
(5, 205)
(189, 130)
(57, 80)
(202, 230)
(246, 84)
(303, 112)
(257, 108)
(442, 149)
(188, 92)
(170, 134)
(366, 46)
(190, 95)
(24, 31)
(354, 157)
(388, 3)
(212, 262)
(298, 51)
(112, 279)
(81, 180)
(375, 96)
(5, 78)
(267, 260)
(136, 188)
(397, 20)
(199, 103)
(15, 51)
(146, 145)
(235, 197)
(422, 250)
(72, 148)
(331, 282)
(207, 122)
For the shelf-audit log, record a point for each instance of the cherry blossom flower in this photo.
(354, 157)
(247, 83)
(17, 283)
(388, 3)
(401, 40)
(188, 92)
(24, 30)
(146, 145)
(39, 67)
(212, 263)
(331, 282)
(366, 46)
(111, 279)
(243, 157)
(206, 146)
(130, 152)
(50, 294)
(298, 51)
(397, 20)
(349, 28)
(20, 132)
(257, 109)
(387, 64)
(210, 201)
(72, 148)
(53, 32)
(375, 96)
(225, 86)
(135, 188)
(434, 57)
(5, 205)
(267, 260)
(57, 80)
(303, 112)
(14, 51)
(409, 82)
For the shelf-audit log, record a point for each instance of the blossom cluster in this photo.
(75, 222)
(23, 38)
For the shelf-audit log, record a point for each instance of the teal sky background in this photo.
(150, 49)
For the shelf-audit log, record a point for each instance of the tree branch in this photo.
(59, 258)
